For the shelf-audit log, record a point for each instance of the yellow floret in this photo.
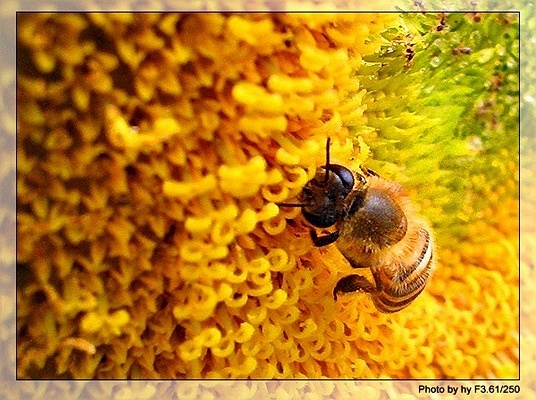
(243, 181)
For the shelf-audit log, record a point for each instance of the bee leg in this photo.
(353, 283)
(320, 241)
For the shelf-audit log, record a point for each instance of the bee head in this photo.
(324, 199)
(324, 196)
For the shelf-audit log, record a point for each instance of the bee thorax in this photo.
(378, 222)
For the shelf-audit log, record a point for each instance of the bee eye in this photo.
(344, 174)
(347, 178)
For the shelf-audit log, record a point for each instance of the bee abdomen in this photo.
(399, 291)
(388, 304)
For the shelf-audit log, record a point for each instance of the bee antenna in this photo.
(293, 204)
(327, 162)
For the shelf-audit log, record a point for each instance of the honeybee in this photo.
(375, 226)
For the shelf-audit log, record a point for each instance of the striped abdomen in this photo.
(397, 285)
(396, 291)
